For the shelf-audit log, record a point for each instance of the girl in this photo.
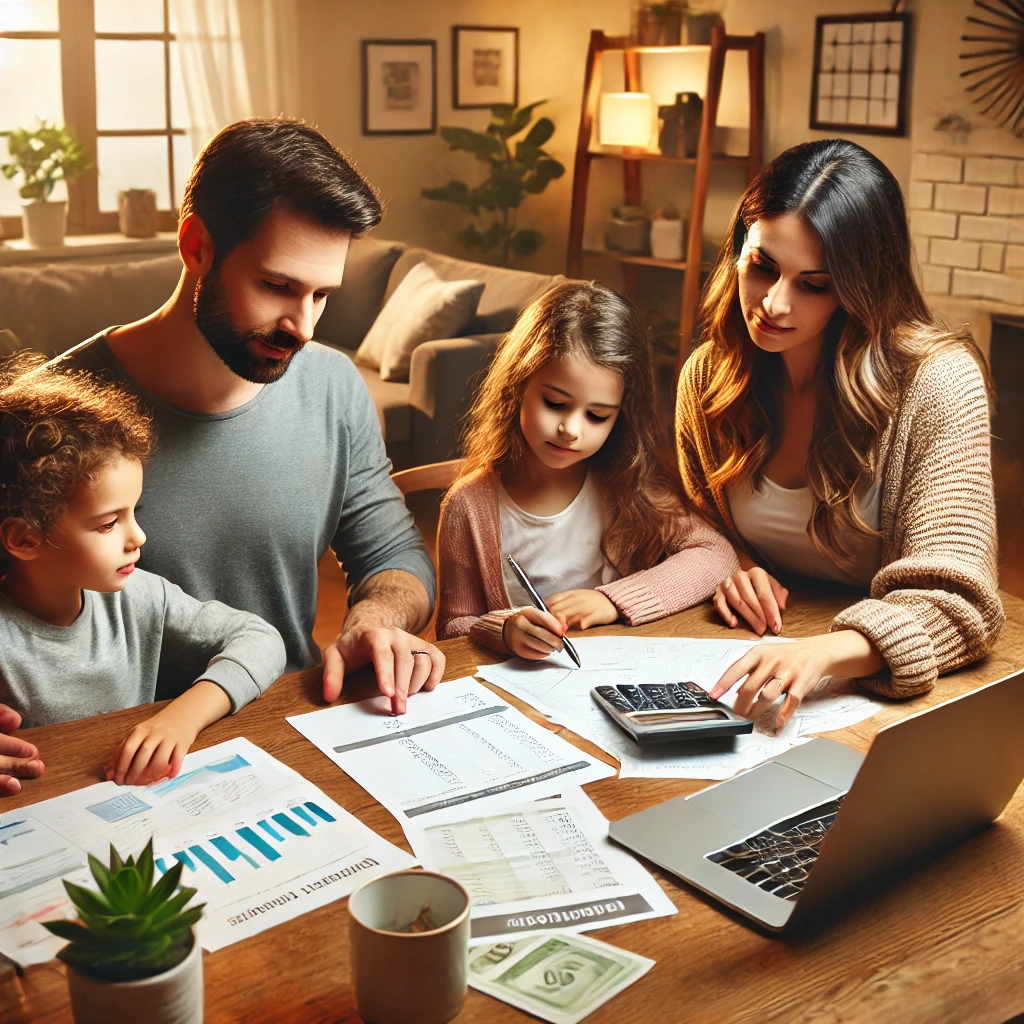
(564, 470)
(832, 429)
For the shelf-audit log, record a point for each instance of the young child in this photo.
(81, 628)
(565, 470)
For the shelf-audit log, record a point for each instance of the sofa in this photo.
(53, 307)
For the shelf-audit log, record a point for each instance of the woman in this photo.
(832, 429)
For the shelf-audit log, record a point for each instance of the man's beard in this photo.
(232, 346)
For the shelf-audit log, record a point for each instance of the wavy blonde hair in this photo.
(584, 318)
(876, 340)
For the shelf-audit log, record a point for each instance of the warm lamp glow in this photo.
(626, 119)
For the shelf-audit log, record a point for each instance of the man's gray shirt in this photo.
(240, 506)
(109, 656)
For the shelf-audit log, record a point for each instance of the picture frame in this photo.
(485, 66)
(399, 83)
(860, 79)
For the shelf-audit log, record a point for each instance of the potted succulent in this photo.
(132, 955)
(43, 156)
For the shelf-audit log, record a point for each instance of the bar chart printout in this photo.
(260, 843)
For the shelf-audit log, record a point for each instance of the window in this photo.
(110, 70)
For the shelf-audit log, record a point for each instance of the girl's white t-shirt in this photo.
(774, 519)
(559, 552)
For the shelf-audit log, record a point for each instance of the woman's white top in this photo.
(559, 552)
(774, 520)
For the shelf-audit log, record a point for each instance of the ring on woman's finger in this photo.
(414, 653)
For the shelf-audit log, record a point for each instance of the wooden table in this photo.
(945, 944)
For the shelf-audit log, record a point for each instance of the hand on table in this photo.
(580, 609)
(795, 670)
(18, 759)
(154, 749)
(756, 595)
(533, 634)
(404, 663)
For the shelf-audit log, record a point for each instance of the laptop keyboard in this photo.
(656, 696)
(779, 858)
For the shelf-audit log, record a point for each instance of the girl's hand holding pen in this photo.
(531, 633)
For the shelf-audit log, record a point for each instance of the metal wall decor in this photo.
(994, 78)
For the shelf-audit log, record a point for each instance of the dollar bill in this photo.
(558, 976)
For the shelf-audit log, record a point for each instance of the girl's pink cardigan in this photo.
(473, 598)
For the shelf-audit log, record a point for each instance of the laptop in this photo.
(802, 834)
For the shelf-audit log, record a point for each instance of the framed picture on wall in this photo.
(399, 86)
(860, 73)
(485, 66)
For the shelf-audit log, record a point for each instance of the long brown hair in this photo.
(584, 318)
(874, 342)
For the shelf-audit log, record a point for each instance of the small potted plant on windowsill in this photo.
(43, 156)
(132, 955)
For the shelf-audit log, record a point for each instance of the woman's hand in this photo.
(531, 633)
(758, 596)
(155, 749)
(581, 609)
(795, 670)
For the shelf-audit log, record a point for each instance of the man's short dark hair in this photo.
(251, 167)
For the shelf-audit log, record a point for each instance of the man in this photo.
(269, 448)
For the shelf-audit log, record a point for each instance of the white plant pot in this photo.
(174, 997)
(44, 222)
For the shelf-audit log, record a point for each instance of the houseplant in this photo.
(132, 955)
(43, 156)
(514, 172)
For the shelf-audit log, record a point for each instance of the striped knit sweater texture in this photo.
(933, 605)
(473, 599)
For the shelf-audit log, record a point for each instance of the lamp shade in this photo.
(626, 119)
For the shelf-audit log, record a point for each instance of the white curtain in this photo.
(239, 58)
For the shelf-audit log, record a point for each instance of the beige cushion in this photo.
(422, 308)
(506, 292)
(53, 307)
(353, 307)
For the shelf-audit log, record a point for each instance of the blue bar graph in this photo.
(283, 829)
(212, 863)
(231, 851)
(319, 811)
(258, 844)
(288, 823)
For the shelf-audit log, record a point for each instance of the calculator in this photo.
(668, 712)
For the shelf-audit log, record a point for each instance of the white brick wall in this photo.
(967, 225)
(961, 198)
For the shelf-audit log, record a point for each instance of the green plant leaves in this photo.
(526, 242)
(43, 155)
(513, 175)
(132, 928)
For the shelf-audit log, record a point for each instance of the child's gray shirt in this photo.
(109, 656)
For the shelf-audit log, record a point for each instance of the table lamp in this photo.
(626, 119)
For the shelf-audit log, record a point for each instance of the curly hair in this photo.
(57, 429)
(588, 319)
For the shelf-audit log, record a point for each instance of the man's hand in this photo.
(18, 759)
(580, 609)
(404, 663)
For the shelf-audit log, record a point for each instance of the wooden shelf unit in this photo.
(721, 44)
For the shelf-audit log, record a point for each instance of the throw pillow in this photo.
(422, 308)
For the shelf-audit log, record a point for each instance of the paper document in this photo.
(558, 977)
(557, 689)
(544, 864)
(260, 843)
(457, 746)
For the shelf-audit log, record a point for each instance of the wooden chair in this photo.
(436, 476)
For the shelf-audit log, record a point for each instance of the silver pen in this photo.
(538, 602)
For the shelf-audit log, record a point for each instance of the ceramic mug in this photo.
(401, 977)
